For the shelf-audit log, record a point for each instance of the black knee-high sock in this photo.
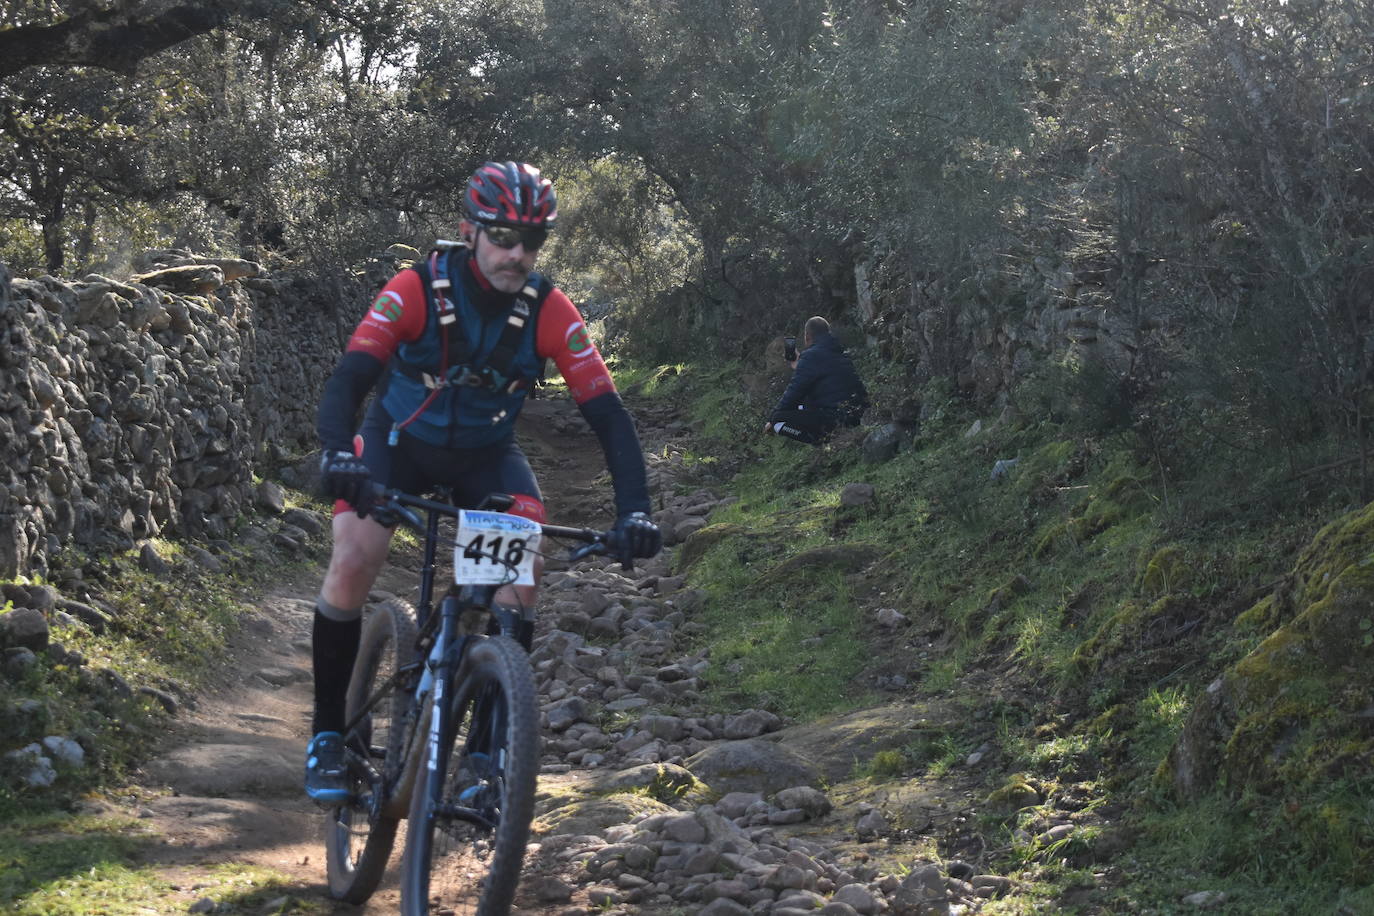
(334, 646)
(524, 633)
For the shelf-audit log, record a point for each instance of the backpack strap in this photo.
(436, 296)
(502, 356)
(456, 366)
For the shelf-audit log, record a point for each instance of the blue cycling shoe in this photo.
(326, 774)
(476, 768)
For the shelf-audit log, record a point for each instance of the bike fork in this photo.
(442, 671)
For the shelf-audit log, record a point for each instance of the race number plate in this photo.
(495, 549)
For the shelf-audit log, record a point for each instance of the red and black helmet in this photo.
(511, 194)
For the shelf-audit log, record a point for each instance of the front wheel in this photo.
(463, 854)
(359, 835)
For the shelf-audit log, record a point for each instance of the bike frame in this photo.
(420, 697)
(444, 657)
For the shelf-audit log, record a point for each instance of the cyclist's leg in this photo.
(358, 554)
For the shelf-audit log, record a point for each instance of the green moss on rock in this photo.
(1126, 629)
(1289, 722)
(1167, 571)
(1125, 489)
(1260, 618)
(846, 558)
(695, 547)
(1015, 794)
(593, 815)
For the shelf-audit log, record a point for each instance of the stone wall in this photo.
(144, 407)
(989, 330)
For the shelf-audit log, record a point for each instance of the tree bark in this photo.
(113, 39)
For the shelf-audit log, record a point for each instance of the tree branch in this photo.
(113, 39)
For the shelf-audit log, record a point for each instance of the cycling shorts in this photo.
(418, 468)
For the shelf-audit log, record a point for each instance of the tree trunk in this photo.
(85, 239)
(53, 249)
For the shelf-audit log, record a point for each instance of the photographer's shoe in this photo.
(326, 775)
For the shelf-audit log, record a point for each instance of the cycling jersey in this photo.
(400, 321)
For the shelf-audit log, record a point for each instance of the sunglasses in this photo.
(508, 237)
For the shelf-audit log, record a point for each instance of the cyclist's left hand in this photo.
(638, 535)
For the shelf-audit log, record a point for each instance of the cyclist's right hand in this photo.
(636, 536)
(344, 476)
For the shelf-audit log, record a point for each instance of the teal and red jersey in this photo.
(401, 325)
(399, 315)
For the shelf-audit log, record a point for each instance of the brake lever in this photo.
(586, 550)
(384, 515)
(388, 513)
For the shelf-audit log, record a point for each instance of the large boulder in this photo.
(574, 815)
(752, 765)
(24, 628)
(190, 279)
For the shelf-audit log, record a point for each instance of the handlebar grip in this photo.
(386, 509)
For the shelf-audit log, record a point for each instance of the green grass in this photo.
(642, 380)
(45, 855)
(1091, 576)
(798, 658)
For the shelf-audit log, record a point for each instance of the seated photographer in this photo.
(825, 391)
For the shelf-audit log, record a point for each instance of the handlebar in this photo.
(390, 507)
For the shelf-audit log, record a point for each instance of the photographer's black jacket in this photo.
(825, 380)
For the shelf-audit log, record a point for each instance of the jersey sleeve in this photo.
(395, 316)
(803, 378)
(562, 337)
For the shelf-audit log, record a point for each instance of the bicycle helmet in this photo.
(511, 194)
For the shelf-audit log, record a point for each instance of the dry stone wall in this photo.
(143, 407)
(969, 331)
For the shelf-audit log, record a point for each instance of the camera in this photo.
(789, 348)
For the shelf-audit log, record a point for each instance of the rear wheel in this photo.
(463, 855)
(360, 834)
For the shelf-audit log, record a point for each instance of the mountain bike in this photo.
(443, 725)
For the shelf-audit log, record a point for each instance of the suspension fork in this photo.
(442, 665)
(446, 663)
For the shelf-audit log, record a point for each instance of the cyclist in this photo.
(457, 342)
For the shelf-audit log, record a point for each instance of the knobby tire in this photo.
(359, 835)
(451, 865)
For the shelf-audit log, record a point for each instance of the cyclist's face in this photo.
(505, 268)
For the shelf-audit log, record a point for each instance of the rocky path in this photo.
(648, 804)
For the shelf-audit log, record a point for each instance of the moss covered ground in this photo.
(1077, 607)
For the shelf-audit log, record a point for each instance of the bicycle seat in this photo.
(497, 502)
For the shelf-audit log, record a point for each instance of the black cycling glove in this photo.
(344, 476)
(637, 535)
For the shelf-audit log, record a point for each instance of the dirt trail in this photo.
(228, 797)
(230, 794)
